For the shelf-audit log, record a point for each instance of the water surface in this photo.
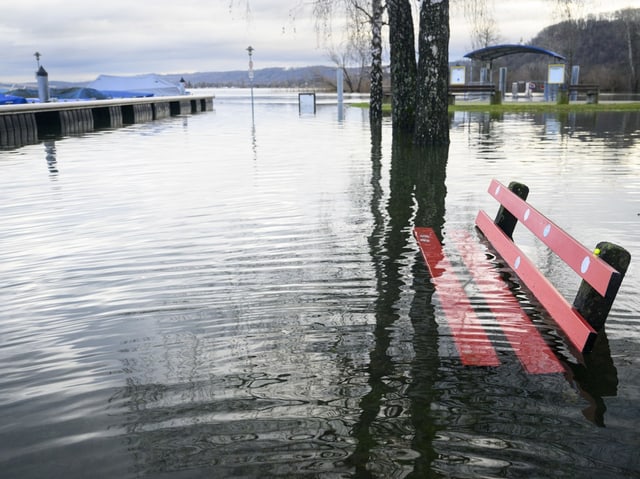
(228, 295)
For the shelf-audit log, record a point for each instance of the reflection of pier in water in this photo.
(27, 124)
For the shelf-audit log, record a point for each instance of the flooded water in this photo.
(236, 295)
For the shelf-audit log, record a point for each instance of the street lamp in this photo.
(250, 50)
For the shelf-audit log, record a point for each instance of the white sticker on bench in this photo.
(526, 214)
(497, 189)
(547, 230)
(585, 264)
(516, 264)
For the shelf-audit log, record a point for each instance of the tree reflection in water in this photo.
(416, 197)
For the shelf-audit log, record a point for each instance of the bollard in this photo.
(43, 84)
(504, 219)
(591, 306)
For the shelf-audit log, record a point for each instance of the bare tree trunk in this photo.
(432, 117)
(403, 65)
(631, 20)
(361, 75)
(630, 54)
(375, 102)
(347, 79)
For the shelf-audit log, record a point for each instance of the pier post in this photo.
(504, 219)
(591, 306)
(43, 84)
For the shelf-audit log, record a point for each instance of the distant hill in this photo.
(320, 77)
(316, 76)
(607, 49)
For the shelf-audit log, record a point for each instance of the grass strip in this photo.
(530, 107)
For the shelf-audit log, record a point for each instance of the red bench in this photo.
(601, 270)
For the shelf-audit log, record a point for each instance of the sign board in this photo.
(457, 75)
(556, 73)
(307, 102)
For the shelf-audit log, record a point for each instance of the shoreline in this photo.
(538, 107)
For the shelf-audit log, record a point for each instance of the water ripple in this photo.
(206, 296)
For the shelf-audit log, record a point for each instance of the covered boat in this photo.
(134, 86)
(11, 99)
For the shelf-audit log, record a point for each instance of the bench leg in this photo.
(591, 306)
(505, 220)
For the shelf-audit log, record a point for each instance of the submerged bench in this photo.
(601, 272)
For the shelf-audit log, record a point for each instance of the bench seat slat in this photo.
(575, 327)
(600, 275)
(471, 340)
(525, 339)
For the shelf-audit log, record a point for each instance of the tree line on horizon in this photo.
(418, 38)
(606, 47)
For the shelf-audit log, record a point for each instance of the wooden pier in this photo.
(27, 124)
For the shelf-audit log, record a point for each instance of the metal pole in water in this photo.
(575, 79)
(502, 83)
(250, 50)
(340, 86)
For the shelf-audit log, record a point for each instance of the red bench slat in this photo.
(471, 340)
(574, 326)
(525, 339)
(601, 276)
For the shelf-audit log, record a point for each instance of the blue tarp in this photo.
(78, 93)
(137, 86)
(74, 93)
(11, 99)
(24, 92)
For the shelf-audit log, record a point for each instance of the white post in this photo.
(340, 87)
(250, 50)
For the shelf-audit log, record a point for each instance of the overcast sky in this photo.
(79, 40)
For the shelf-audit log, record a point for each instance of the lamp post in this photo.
(250, 50)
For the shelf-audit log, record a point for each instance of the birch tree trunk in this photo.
(631, 20)
(403, 65)
(432, 118)
(375, 102)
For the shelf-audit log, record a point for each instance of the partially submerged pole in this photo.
(504, 219)
(588, 302)
(340, 92)
(250, 49)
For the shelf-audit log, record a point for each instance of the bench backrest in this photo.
(600, 275)
(601, 281)
(584, 87)
(473, 88)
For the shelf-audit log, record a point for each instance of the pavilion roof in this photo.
(488, 54)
